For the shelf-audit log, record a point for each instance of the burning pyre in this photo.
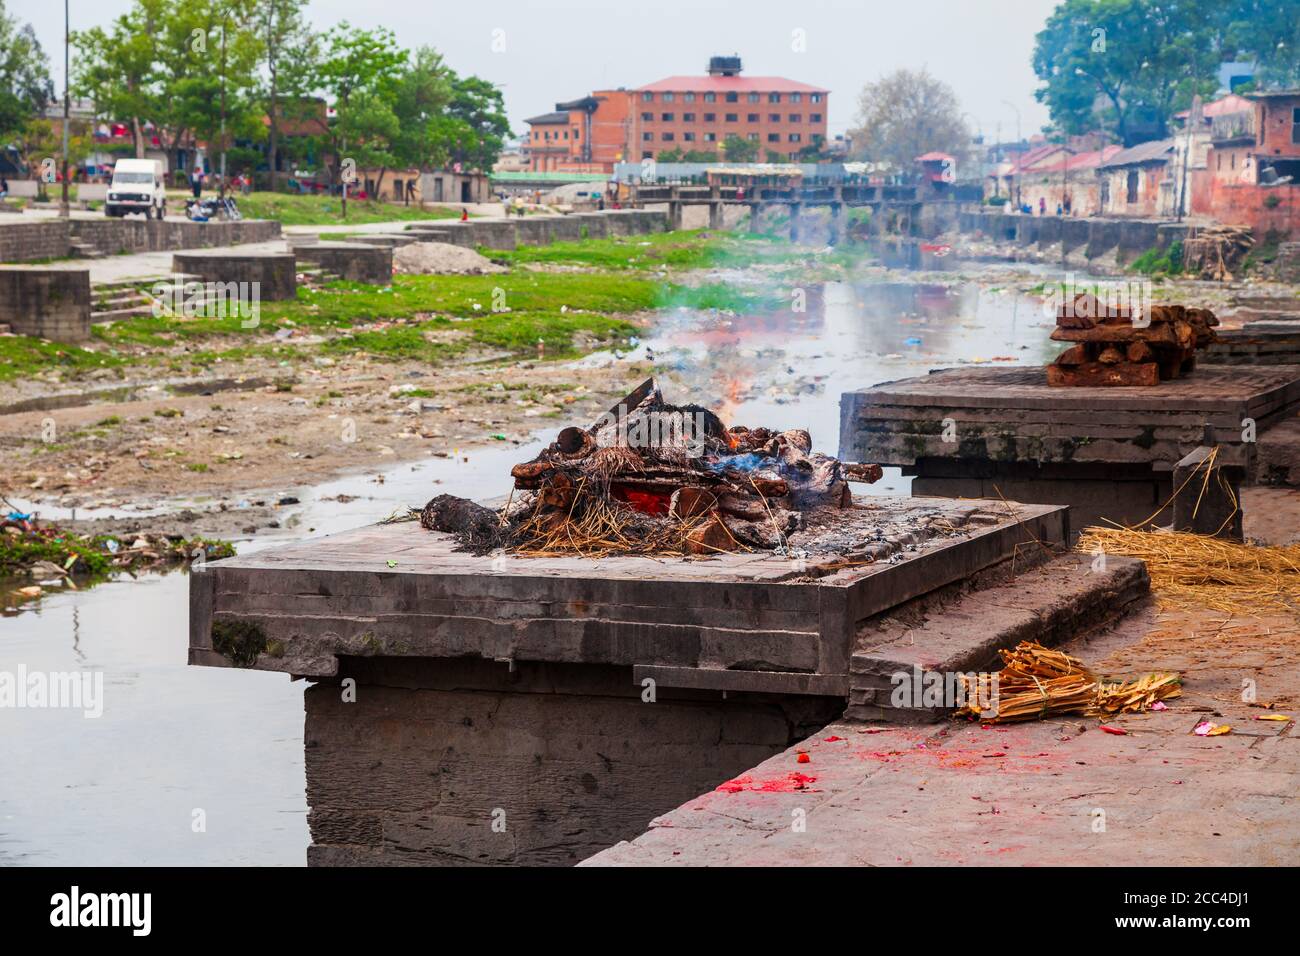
(653, 478)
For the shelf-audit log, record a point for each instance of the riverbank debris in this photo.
(649, 477)
(1037, 682)
(1127, 345)
(58, 557)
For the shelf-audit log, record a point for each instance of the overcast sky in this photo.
(562, 49)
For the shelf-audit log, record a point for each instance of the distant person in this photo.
(464, 215)
(1068, 202)
(410, 191)
(196, 182)
(1059, 209)
(1042, 206)
(4, 187)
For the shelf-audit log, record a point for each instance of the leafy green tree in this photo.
(25, 86)
(420, 98)
(1265, 32)
(290, 49)
(479, 126)
(670, 156)
(359, 70)
(1126, 66)
(699, 156)
(738, 150)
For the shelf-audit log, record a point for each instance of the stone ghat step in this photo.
(1060, 599)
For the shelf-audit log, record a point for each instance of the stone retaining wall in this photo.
(46, 303)
(1091, 238)
(53, 238)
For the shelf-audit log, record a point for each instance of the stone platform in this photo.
(497, 710)
(1106, 452)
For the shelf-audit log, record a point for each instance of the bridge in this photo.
(904, 209)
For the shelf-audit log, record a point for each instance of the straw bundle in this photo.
(1037, 682)
(1191, 570)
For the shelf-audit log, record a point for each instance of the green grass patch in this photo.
(295, 210)
(1155, 262)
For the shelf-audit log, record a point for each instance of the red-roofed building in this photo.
(699, 113)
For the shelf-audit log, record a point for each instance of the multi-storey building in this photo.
(700, 113)
(686, 114)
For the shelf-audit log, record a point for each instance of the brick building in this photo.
(699, 113)
(1252, 174)
(680, 113)
(587, 135)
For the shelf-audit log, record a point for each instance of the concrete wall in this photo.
(52, 239)
(46, 303)
(273, 276)
(1092, 238)
(565, 759)
(351, 261)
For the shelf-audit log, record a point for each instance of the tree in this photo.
(1126, 66)
(25, 87)
(738, 150)
(1265, 32)
(207, 55)
(420, 98)
(479, 126)
(290, 49)
(698, 156)
(359, 69)
(115, 68)
(670, 156)
(906, 114)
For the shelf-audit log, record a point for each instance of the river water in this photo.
(204, 766)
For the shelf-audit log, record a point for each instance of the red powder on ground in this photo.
(790, 783)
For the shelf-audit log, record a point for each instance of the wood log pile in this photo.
(1217, 252)
(1113, 346)
(654, 478)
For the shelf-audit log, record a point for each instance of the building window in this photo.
(774, 97)
(753, 97)
(688, 97)
(796, 97)
(796, 118)
(774, 137)
(1295, 125)
(774, 117)
(732, 118)
(814, 117)
(710, 97)
(733, 98)
(688, 117)
(646, 154)
(816, 97)
(688, 137)
(666, 117)
(667, 137)
(751, 118)
(647, 97)
(710, 137)
(710, 117)
(753, 137)
(647, 137)
(647, 117)
(795, 138)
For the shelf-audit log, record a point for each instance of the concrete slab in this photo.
(397, 590)
(1107, 452)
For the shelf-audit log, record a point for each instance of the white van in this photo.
(137, 187)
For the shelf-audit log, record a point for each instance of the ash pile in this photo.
(1116, 346)
(649, 477)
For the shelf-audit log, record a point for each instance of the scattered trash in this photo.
(1207, 728)
(1118, 731)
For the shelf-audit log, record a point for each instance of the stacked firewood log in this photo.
(1115, 346)
(654, 478)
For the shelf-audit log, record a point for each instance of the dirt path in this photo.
(349, 416)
